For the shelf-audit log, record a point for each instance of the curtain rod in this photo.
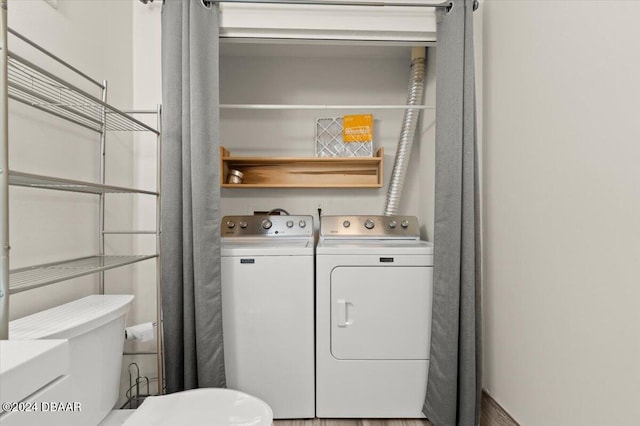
(445, 5)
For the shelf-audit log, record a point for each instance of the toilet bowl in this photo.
(202, 407)
(94, 328)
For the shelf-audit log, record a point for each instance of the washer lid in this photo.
(202, 407)
(267, 247)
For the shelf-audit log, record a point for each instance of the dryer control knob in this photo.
(266, 224)
(243, 224)
(302, 224)
(404, 224)
(346, 224)
(369, 224)
(393, 224)
(231, 224)
(289, 224)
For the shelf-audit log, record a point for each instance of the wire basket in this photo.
(329, 141)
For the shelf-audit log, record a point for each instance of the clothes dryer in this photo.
(373, 317)
(268, 310)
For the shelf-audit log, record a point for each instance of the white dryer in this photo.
(373, 317)
(268, 310)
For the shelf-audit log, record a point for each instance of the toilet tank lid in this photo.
(71, 319)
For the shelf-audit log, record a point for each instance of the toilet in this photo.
(195, 408)
(94, 327)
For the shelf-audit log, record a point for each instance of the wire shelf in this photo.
(47, 182)
(32, 85)
(41, 275)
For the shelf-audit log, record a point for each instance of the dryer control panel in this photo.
(266, 226)
(379, 227)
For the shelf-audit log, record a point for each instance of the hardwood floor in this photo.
(492, 414)
(353, 422)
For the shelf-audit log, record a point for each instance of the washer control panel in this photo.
(262, 226)
(404, 227)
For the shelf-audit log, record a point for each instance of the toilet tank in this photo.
(94, 326)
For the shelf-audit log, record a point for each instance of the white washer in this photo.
(373, 317)
(268, 310)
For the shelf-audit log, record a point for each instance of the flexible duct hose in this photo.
(407, 134)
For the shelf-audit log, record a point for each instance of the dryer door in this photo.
(381, 312)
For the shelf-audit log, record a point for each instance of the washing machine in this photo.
(374, 286)
(268, 310)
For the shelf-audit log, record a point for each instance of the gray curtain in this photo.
(454, 386)
(190, 243)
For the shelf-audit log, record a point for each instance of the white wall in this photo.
(303, 74)
(94, 36)
(562, 209)
(146, 96)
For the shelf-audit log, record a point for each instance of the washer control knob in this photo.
(266, 224)
(289, 224)
(404, 224)
(369, 224)
(393, 224)
(243, 224)
(302, 224)
(346, 224)
(231, 224)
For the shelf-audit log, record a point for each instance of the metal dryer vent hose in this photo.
(409, 123)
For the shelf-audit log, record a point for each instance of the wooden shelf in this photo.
(303, 172)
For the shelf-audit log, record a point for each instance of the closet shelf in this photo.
(31, 277)
(48, 182)
(303, 172)
(29, 84)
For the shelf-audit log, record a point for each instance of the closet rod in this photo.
(446, 5)
(297, 106)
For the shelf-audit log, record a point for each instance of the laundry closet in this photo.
(283, 68)
(275, 83)
(281, 91)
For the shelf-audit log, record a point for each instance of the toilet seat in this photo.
(202, 407)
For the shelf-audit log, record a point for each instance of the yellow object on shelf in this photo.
(357, 128)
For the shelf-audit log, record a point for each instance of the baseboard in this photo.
(492, 414)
